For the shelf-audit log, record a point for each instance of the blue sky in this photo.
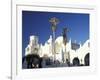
(37, 23)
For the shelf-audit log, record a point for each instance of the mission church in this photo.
(73, 52)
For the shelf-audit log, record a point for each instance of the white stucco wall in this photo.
(46, 49)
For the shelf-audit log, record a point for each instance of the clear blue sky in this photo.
(37, 23)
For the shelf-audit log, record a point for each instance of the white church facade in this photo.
(69, 52)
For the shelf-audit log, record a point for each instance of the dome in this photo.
(58, 44)
(59, 39)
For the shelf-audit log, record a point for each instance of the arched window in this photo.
(76, 61)
(87, 59)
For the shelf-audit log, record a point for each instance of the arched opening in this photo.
(31, 61)
(76, 61)
(87, 59)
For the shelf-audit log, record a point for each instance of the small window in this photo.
(88, 44)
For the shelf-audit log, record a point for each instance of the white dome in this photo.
(59, 39)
